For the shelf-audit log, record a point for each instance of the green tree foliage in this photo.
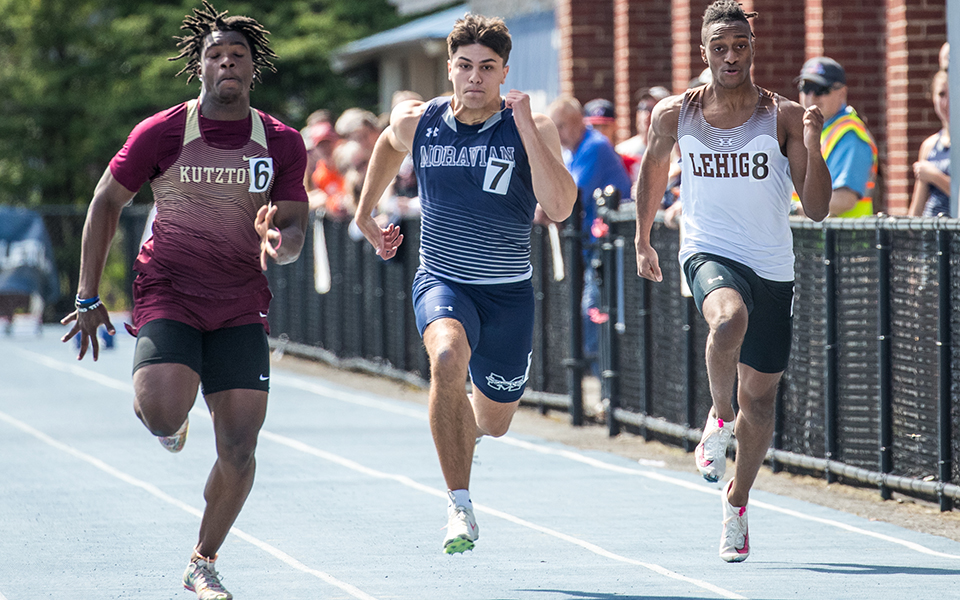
(77, 75)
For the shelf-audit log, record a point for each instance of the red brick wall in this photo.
(642, 55)
(779, 45)
(685, 31)
(915, 31)
(586, 48)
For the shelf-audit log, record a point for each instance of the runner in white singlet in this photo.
(742, 148)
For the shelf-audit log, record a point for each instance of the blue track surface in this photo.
(349, 503)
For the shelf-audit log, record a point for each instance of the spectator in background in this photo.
(309, 140)
(846, 143)
(359, 125)
(633, 148)
(931, 191)
(591, 159)
(599, 114)
(321, 140)
(351, 159)
(944, 56)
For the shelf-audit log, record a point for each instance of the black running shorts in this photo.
(226, 359)
(766, 345)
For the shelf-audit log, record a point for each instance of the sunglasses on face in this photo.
(809, 87)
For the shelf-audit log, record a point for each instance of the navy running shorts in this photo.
(498, 320)
(226, 359)
(766, 345)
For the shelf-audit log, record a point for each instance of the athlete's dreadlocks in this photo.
(207, 20)
(725, 11)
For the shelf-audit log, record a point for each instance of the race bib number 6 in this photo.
(497, 177)
(261, 173)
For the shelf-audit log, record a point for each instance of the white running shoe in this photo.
(174, 443)
(711, 452)
(201, 577)
(735, 540)
(462, 530)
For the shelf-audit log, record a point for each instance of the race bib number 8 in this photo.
(497, 177)
(261, 173)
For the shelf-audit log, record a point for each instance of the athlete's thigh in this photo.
(435, 299)
(236, 358)
(501, 359)
(166, 368)
(238, 414)
(766, 346)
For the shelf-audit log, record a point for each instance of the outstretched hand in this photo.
(648, 263)
(86, 324)
(270, 238)
(390, 240)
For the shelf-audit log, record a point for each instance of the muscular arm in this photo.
(811, 178)
(103, 216)
(392, 146)
(652, 181)
(552, 184)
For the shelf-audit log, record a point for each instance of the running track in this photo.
(349, 504)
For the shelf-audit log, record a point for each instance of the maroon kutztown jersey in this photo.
(204, 241)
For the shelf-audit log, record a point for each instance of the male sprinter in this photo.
(482, 164)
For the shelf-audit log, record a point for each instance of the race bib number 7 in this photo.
(496, 180)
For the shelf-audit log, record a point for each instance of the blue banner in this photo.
(26, 255)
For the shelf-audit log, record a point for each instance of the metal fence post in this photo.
(885, 359)
(690, 368)
(830, 350)
(945, 452)
(574, 259)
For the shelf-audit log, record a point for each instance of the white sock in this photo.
(459, 498)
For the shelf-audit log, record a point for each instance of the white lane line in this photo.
(59, 365)
(157, 493)
(408, 482)
(323, 390)
(368, 400)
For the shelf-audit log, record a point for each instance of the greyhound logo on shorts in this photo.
(497, 382)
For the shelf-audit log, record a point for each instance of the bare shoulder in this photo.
(666, 114)
(789, 112)
(404, 120)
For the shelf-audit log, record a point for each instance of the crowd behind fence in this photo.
(870, 396)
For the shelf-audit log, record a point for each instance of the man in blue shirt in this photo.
(593, 162)
(847, 146)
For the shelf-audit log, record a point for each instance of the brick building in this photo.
(612, 48)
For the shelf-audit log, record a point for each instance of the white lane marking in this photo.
(157, 493)
(59, 365)
(323, 390)
(391, 406)
(407, 481)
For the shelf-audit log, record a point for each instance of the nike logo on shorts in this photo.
(264, 377)
(263, 315)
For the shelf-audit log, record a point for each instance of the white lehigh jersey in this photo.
(735, 188)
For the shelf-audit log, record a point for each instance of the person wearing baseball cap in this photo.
(846, 144)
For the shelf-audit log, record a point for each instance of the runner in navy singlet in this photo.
(482, 163)
(228, 184)
(742, 147)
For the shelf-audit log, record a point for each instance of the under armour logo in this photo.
(725, 142)
(433, 131)
(717, 278)
(447, 308)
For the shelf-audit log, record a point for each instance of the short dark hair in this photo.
(725, 11)
(491, 32)
(205, 21)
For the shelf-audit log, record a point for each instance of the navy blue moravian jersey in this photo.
(476, 197)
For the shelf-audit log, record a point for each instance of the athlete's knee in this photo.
(447, 356)
(494, 427)
(158, 417)
(728, 324)
(237, 449)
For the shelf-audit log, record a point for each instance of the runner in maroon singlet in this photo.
(228, 184)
